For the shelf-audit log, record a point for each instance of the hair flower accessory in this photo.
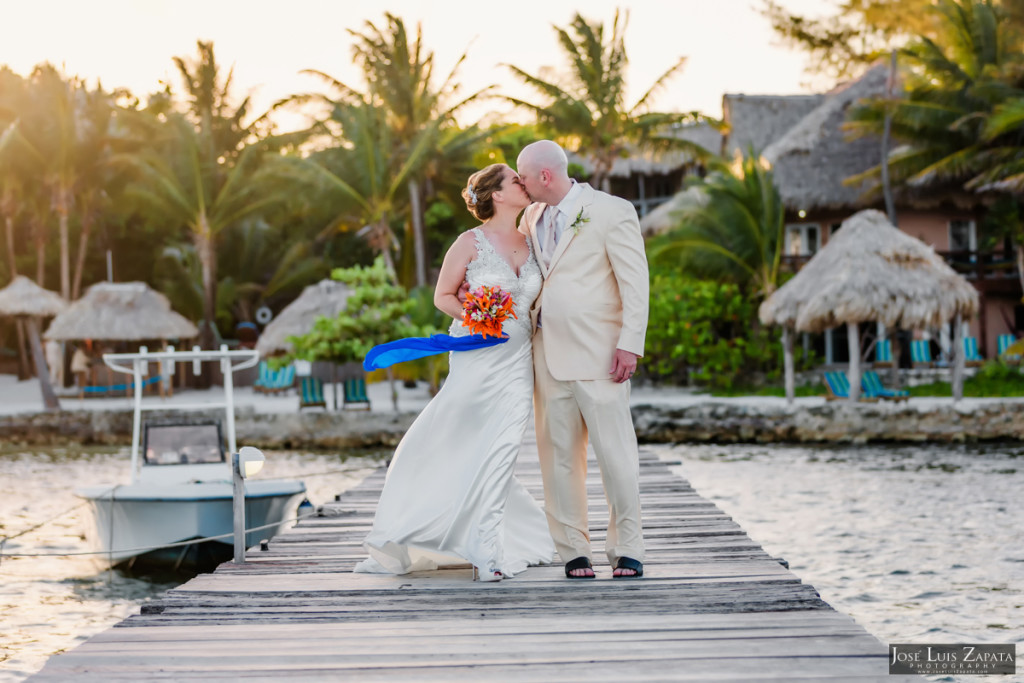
(578, 222)
(472, 195)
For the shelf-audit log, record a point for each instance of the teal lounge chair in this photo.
(921, 353)
(279, 380)
(263, 377)
(1004, 342)
(883, 353)
(971, 356)
(872, 385)
(311, 393)
(838, 386)
(354, 396)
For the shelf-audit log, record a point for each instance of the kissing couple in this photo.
(577, 273)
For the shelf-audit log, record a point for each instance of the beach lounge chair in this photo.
(838, 386)
(1003, 343)
(126, 388)
(971, 356)
(872, 385)
(883, 353)
(921, 353)
(280, 380)
(354, 395)
(263, 373)
(311, 393)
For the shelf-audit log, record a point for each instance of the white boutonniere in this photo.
(579, 222)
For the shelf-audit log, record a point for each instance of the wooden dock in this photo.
(713, 606)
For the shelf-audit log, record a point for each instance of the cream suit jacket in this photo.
(595, 295)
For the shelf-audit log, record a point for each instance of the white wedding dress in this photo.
(450, 496)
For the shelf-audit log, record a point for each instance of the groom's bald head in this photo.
(544, 169)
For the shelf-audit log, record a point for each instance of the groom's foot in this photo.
(580, 568)
(628, 568)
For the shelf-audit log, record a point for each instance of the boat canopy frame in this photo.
(137, 365)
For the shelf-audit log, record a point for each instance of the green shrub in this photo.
(706, 332)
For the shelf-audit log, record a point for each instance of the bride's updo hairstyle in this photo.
(480, 187)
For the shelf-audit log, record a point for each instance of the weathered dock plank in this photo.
(712, 606)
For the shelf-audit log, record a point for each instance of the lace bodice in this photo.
(490, 269)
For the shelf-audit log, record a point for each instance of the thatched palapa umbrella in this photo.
(121, 311)
(325, 298)
(24, 298)
(871, 271)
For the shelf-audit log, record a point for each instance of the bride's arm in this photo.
(453, 274)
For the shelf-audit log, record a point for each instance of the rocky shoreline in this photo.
(707, 421)
(837, 422)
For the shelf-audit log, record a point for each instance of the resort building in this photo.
(648, 178)
(813, 156)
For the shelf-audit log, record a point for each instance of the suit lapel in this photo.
(582, 203)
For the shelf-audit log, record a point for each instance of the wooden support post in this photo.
(238, 508)
(787, 364)
(853, 339)
(958, 358)
(50, 401)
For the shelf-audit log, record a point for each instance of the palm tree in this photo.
(366, 178)
(174, 179)
(953, 85)
(221, 124)
(46, 135)
(733, 227)
(255, 264)
(398, 71)
(588, 115)
(209, 168)
(962, 116)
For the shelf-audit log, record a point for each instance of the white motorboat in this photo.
(181, 487)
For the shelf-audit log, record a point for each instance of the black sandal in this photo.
(582, 562)
(631, 564)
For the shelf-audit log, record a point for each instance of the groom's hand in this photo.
(623, 365)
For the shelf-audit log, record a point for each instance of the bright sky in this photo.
(729, 45)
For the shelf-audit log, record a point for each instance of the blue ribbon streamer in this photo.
(411, 348)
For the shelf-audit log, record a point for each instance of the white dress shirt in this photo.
(561, 210)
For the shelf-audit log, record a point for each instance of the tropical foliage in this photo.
(377, 311)
(589, 114)
(398, 146)
(858, 33)
(961, 118)
(731, 227)
(705, 332)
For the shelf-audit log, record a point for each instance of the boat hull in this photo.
(131, 523)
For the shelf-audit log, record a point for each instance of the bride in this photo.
(450, 496)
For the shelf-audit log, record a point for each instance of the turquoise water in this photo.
(52, 604)
(918, 544)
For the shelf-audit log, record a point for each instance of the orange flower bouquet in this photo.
(485, 309)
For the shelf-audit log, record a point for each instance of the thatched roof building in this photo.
(759, 120)
(814, 158)
(24, 297)
(325, 298)
(665, 216)
(661, 162)
(871, 271)
(121, 311)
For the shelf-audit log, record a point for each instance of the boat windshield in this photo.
(183, 444)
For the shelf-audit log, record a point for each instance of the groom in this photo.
(590, 320)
